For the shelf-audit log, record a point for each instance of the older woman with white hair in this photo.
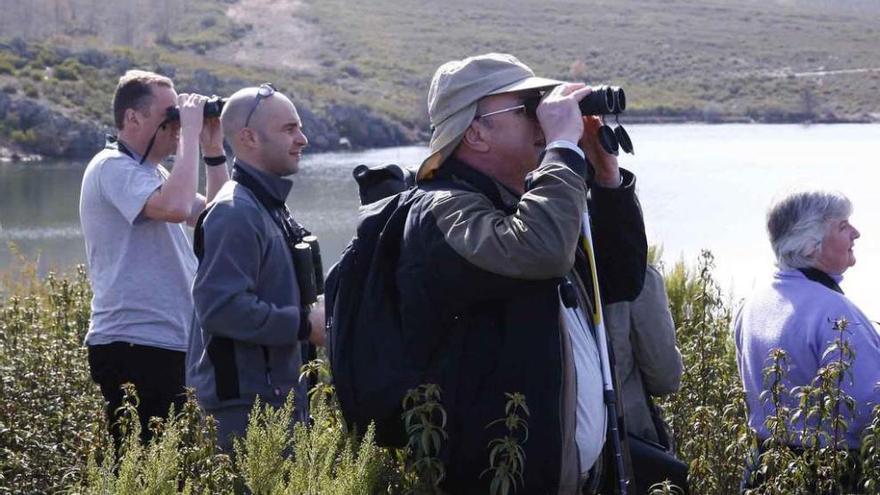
(797, 312)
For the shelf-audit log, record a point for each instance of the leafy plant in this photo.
(425, 421)
(506, 456)
(53, 434)
(707, 415)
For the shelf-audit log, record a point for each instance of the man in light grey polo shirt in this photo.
(140, 260)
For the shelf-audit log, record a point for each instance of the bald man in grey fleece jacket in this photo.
(251, 321)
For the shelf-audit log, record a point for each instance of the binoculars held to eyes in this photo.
(602, 101)
(605, 100)
(213, 108)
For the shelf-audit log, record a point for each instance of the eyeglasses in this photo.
(528, 106)
(503, 110)
(265, 90)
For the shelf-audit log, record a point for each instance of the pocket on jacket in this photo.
(221, 352)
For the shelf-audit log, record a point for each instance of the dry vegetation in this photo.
(700, 58)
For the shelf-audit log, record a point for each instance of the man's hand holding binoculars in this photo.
(561, 118)
(559, 115)
(191, 112)
(191, 106)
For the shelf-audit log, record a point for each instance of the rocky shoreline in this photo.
(46, 132)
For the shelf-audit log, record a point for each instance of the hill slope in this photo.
(747, 58)
(361, 69)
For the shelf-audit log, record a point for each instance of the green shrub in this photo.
(708, 414)
(23, 137)
(35, 74)
(9, 62)
(50, 412)
(425, 420)
(47, 56)
(69, 70)
(507, 457)
(53, 433)
(6, 66)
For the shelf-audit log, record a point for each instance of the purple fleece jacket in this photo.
(796, 314)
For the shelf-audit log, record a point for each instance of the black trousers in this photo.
(653, 464)
(157, 374)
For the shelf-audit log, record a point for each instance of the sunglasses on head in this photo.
(264, 91)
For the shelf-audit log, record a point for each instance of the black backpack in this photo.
(364, 341)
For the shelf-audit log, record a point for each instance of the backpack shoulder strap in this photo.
(199, 235)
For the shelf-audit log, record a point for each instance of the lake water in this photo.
(701, 187)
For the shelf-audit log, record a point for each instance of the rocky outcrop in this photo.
(47, 132)
(364, 129)
(352, 127)
(31, 124)
(321, 133)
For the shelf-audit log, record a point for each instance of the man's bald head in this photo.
(240, 104)
(273, 138)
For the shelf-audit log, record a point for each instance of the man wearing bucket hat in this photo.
(492, 282)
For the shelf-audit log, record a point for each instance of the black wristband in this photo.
(305, 327)
(213, 161)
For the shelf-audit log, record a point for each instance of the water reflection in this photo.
(38, 213)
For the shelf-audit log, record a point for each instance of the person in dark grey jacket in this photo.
(251, 323)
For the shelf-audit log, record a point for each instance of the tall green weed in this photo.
(708, 414)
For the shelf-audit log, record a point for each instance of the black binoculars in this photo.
(213, 108)
(605, 100)
(309, 269)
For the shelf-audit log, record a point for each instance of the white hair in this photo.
(798, 221)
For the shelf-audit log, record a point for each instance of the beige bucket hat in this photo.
(456, 88)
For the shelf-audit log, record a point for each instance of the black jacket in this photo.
(478, 283)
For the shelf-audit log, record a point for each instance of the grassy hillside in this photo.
(680, 59)
(712, 57)
(60, 59)
(190, 24)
